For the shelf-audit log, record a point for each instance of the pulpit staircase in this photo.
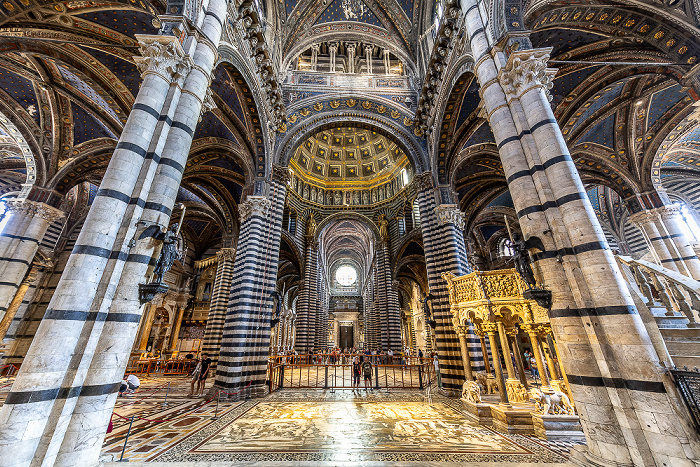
(669, 304)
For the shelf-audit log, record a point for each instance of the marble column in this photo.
(314, 56)
(387, 62)
(47, 424)
(387, 301)
(307, 304)
(175, 333)
(19, 242)
(351, 47)
(647, 222)
(485, 352)
(16, 302)
(146, 328)
(532, 332)
(368, 57)
(590, 297)
(492, 331)
(333, 49)
(443, 239)
(220, 296)
(671, 218)
(513, 335)
(246, 339)
(462, 332)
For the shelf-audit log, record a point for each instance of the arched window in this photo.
(690, 226)
(505, 247)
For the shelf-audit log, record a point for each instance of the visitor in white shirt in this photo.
(130, 384)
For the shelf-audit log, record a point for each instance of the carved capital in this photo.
(527, 69)
(34, 209)
(281, 174)
(668, 212)
(208, 104)
(450, 214)
(162, 55)
(254, 206)
(226, 254)
(424, 181)
(642, 217)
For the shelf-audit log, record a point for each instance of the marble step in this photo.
(691, 361)
(671, 321)
(680, 334)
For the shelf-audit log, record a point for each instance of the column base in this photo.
(507, 419)
(480, 412)
(580, 455)
(558, 427)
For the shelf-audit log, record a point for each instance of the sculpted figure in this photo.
(552, 404)
(471, 392)
(168, 254)
(383, 227)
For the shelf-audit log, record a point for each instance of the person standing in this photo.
(436, 364)
(195, 376)
(367, 372)
(356, 371)
(203, 373)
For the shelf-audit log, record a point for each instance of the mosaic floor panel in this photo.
(311, 427)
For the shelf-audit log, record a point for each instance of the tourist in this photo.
(390, 357)
(203, 373)
(195, 376)
(533, 367)
(367, 372)
(130, 384)
(527, 354)
(436, 364)
(356, 370)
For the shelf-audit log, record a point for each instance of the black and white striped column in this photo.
(646, 221)
(605, 349)
(245, 345)
(38, 412)
(671, 220)
(19, 242)
(219, 303)
(307, 309)
(443, 240)
(180, 115)
(387, 303)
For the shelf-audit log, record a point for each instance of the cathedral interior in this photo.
(350, 232)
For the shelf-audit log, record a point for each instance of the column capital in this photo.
(254, 206)
(351, 46)
(333, 47)
(527, 69)
(424, 181)
(489, 328)
(668, 211)
(34, 209)
(450, 214)
(162, 55)
(208, 103)
(281, 174)
(226, 254)
(642, 217)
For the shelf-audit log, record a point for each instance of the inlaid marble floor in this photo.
(313, 426)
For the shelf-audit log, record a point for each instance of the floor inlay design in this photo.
(312, 425)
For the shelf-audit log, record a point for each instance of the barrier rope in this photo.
(188, 413)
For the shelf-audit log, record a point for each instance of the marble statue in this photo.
(471, 392)
(556, 403)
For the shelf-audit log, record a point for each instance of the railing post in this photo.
(376, 376)
(682, 302)
(281, 384)
(325, 382)
(420, 376)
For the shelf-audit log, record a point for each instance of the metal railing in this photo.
(688, 384)
(322, 371)
(161, 367)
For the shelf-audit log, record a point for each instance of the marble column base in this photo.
(480, 412)
(581, 456)
(558, 427)
(511, 420)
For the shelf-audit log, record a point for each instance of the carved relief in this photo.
(255, 206)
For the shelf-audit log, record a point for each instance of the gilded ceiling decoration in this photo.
(348, 157)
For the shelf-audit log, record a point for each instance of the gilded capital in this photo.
(162, 55)
(255, 206)
(527, 69)
(450, 214)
